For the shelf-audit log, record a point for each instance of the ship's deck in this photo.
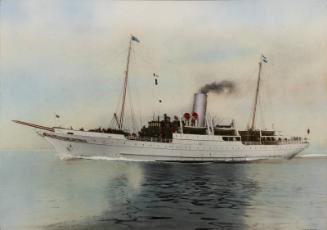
(276, 142)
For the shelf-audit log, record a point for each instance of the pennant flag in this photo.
(155, 78)
(264, 59)
(135, 39)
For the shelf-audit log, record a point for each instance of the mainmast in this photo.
(122, 111)
(263, 59)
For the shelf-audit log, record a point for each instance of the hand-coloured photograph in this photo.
(200, 115)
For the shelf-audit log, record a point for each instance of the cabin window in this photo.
(228, 138)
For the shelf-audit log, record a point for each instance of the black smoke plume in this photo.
(219, 87)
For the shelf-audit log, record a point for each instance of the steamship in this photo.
(191, 137)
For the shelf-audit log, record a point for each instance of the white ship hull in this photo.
(184, 147)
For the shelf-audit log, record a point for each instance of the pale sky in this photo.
(68, 58)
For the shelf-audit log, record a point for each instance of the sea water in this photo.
(38, 190)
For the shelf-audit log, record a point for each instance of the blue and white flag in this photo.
(135, 38)
(264, 59)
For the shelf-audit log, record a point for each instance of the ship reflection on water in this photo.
(175, 196)
(100, 194)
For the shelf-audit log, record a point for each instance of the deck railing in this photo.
(277, 142)
(150, 139)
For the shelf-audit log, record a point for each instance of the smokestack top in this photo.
(200, 92)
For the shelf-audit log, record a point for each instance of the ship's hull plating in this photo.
(183, 150)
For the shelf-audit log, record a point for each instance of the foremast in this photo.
(120, 121)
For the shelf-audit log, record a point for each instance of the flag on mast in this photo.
(135, 39)
(264, 59)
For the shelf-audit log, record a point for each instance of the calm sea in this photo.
(40, 191)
